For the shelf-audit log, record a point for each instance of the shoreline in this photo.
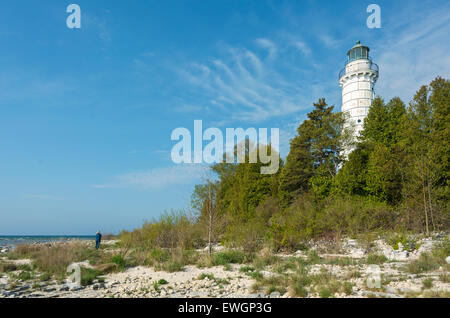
(350, 265)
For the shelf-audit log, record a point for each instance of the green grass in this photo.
(285, 265)
(219, 281)
(427, 283)
(256, 275)
(445, 278)
(162, 282)
(202, 276)
(298, 284)
(24, 275)
(25, 267)
(119, 261)
(171, 266)
(437, 294)
(88, 275)
(324, 292)
(45, 277)
(341, 261)
(313, 257)
(425, 263)
(353, 274)
(246, 269)
(376, 259)
(348, 288)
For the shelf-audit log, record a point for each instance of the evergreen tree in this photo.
(315, 154)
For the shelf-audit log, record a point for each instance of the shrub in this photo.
(427, 283)
(247, 235)
(353, 215)
(45, 277)
(299, 281)
(88, 275)
(324, 292)
(119, 261)
(231, 256)
(348, 288)
(172, 229)
(24, 275)
(159, 255)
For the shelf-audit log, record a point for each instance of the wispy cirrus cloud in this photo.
(156, 179)
(413, 52)
(245, 86)
(269, 45)
(303, 47)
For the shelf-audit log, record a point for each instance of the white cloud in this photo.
(413, 53)
(303, 47)
(158, 178)
(246, 87)
(329, 41)
(269, 45)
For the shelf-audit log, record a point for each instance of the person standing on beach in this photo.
(98, 239)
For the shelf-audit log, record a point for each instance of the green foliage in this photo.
(231, 256)
(171, 230)
(376, 259)
(427, 283)
(396, 178)
(315, 154)
(442, 250)
(24, 275)
(119, 261)
(202, 276)
(425, 263)
(325, 292)
(88, 275)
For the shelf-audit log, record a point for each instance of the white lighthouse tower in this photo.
(358, 80)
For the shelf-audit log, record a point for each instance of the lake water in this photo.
(13, 240)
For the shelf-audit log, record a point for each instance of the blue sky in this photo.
(86, 115)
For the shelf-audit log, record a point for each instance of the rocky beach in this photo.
(350, 267)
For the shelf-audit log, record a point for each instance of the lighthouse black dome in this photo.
(358, 52)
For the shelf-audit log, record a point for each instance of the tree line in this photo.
(395, 179)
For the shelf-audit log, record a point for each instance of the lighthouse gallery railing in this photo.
(371, 66)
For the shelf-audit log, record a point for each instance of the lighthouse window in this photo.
(359, 121)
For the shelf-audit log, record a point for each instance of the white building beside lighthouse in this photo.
(358, 80)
